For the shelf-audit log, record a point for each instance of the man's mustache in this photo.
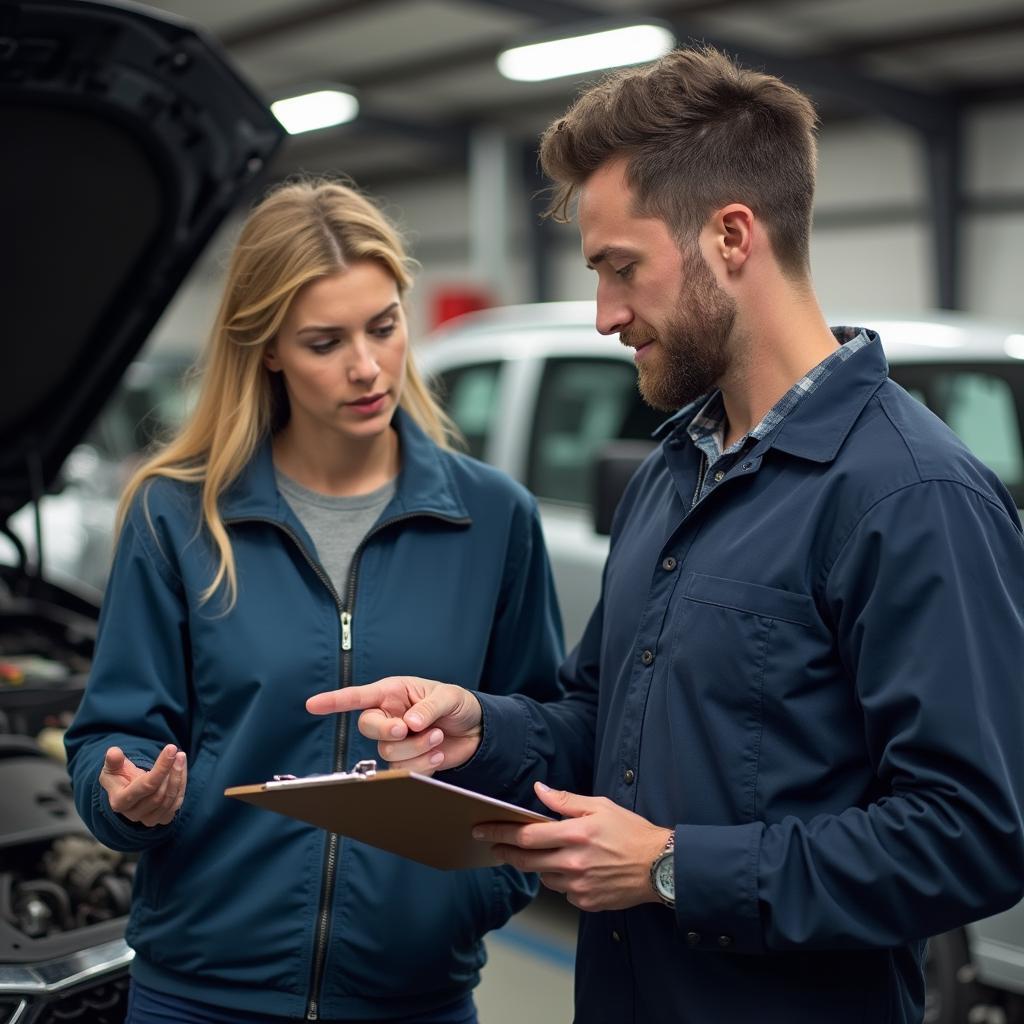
(636, 337)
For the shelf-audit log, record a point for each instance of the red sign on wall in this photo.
(450, 301)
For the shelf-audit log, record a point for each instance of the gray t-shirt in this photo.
(336, 525)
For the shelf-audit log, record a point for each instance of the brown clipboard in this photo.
(413, 815)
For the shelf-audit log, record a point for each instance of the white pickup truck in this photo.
(538, 392)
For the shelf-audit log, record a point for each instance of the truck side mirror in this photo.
(614, 466)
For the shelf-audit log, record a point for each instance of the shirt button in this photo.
(725, 941)
(669, 564)
(647, 657)
(628, 776)
(616, 936)
(719, 476)
(693, 938)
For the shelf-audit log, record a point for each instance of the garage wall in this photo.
(870, 249)
(871, 243)
(994, 228)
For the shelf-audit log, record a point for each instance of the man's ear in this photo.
(733, 231)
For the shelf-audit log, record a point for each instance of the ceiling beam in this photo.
(550, 11)
(295, 18)
(815, 74)
(675, 9)
(812, 73)
(452, 136)
(926, 112)
(476, 54)
(459, 58)
(992, 92)
(962, 30)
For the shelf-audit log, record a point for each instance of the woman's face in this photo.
(341, 351)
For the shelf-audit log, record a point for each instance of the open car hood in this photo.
(127, 138)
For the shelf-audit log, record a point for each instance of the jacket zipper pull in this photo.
(346, 631)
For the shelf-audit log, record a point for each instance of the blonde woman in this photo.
(309, 528)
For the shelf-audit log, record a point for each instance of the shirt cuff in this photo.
(499, 758)
(717, 903)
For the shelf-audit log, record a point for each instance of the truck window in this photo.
(983, 405)
(469, 395)
(582, 404)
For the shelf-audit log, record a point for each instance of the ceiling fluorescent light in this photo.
(594, 51)
(312, 110)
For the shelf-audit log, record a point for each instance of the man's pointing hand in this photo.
(419, 724)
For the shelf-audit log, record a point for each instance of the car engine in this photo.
(64, 898)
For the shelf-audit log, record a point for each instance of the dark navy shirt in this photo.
(814, 675)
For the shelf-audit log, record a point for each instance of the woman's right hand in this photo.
(148, 797)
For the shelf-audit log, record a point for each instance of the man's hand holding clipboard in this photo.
(598, 855)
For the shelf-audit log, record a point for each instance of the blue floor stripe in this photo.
(529, 942)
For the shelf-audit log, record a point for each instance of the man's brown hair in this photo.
(698, 132)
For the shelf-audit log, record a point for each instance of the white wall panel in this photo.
(874, 268)
(437, 208)
(994, 280)
(995, 150)
(867, 163)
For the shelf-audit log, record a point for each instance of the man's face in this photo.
(664, 303)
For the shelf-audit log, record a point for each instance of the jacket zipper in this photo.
(340, 735)
(327, 891)
(331, 857)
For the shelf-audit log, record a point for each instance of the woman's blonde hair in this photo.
(301, 231)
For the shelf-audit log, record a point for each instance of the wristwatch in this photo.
(663, 873)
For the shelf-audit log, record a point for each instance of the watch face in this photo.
(665, 878)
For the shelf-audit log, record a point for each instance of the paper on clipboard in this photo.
(413, 815)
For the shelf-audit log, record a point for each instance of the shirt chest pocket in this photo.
(738, 642)
(750, 598)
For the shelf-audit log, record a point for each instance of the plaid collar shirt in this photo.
(707, 428)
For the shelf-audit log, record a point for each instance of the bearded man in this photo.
(789, 750)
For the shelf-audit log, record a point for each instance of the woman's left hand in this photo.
(149, 797)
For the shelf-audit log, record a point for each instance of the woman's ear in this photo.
(270, 360)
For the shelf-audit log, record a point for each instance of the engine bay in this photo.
(64, 898)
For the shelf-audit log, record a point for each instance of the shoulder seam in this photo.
(158, 559)
(923, 482)
(899, 433)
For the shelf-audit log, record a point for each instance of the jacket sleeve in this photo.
(926, 597)
(137, 693)
(543, 727)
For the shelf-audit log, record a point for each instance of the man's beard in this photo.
(693, 349)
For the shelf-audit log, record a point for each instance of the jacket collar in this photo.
(424, 487)
(818, 426)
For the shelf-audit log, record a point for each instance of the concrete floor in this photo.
(529, 970)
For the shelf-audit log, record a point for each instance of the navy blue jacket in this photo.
(453, 583)
(816, 676)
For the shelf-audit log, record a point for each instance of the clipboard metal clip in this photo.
(360, 770)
